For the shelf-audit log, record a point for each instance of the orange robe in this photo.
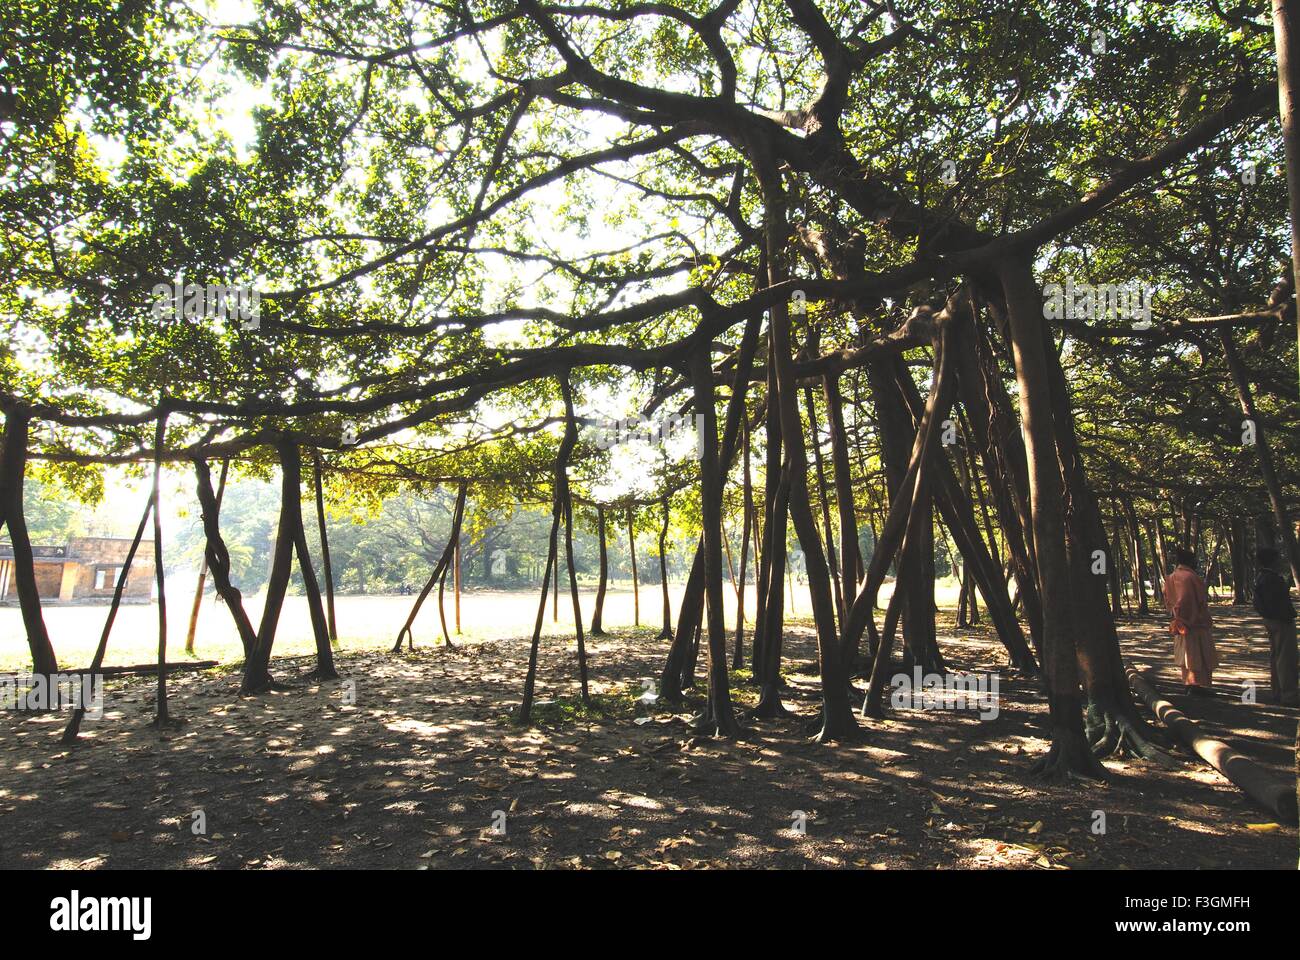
(1191, 626)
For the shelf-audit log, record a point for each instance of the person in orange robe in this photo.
(1191, 625)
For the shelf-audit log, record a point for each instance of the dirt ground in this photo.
(425, 768)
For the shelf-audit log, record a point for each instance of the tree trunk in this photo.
(666, 632)
(1070, 750)
(957, 511)
(159, 440)
(13, 466)
(1112, 720)
(916, 511)
(937, 406)
(597, 628)
(203, 571)
(326, 566)
(1157, 576)
(257, 676)
(557, 515)
(291, 466)
(824, 501)
(1286, 22)
(769, 622)
(837, 720)
(720, 717)
(636, 587)
(79, 712)
(438, 575)
(1267, 470)
(691, 613)
(530, 679)
(1237, 547)
(565, 499)
(747, 506)
(995, 431)
(1139, 566)
(850, 555)
(218, 559)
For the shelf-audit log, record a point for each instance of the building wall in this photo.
(95, 553)
(71, 577)
(49, 578)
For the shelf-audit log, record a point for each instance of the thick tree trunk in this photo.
(1070, 750)
(257, 675)
(837, 720)
(890, 539)
(771, 619)
(897, 433)
(13, 466)
(955, 507)
(997, 434)
(291, 467)
(916, 511)
(1113, 722)
(769, 623)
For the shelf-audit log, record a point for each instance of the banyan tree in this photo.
(450, 240)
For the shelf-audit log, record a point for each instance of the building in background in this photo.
(84, 571)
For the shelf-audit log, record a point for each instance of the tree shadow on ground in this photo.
(414, 760)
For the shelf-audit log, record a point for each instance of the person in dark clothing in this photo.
(1273, 603)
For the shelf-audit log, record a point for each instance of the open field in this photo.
(364, 623)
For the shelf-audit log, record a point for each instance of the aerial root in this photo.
(1063, 763)
(1111, 734)
(773, 709)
